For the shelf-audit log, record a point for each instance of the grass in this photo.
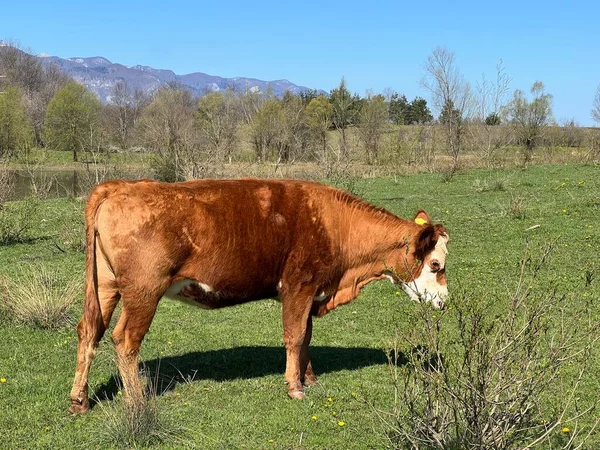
(220, 373)
(40, 298)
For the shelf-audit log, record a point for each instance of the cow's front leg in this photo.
(295, 324)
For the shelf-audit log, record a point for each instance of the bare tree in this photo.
(167, 128)
(530, 118)
(318, 118)
(596, 107)
(121, 113)
(372, 118)
(450, 96)
(492, 100)
(217, 119)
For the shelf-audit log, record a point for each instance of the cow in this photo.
(217, 243)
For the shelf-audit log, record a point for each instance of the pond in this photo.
(47, 183)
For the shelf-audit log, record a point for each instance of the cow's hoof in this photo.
(79, 406)
(296, 395)
(310, 380)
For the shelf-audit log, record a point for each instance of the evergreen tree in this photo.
(398, 108)
(418, 112)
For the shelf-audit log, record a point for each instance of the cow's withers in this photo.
(216, 243)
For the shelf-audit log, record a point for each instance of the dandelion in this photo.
(170, 343)
(177, 394)
(341, 423)
(566, 430)
(314, 417)
(2, 380)
(330, 399)
(271, 441)
(185, 403)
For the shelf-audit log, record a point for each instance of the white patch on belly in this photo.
(177, 292)
(319, 298)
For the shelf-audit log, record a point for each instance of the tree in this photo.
(398, 108)
(491, 101)
(318, 117)
(451, 92)
(38, 84)
(418, 112)
(121, 113)
(343, 112)
(15, 128)
(217, 119)
(72, 119)
(596, 107)
(530, 118)
(372, 119)
(493, 119)
(167, 128)
(265, 128)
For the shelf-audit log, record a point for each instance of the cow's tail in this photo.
(92, 322)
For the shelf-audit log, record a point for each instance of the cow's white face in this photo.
(431, 285)
(422, 272)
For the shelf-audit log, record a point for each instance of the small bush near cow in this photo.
(137, 423)
(499, 185)
(16, 219)
(40, 298)
(517, 208)
(487, 385)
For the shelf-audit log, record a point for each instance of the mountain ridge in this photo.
(100, 75)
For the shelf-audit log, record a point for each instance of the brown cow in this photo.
(220, 243)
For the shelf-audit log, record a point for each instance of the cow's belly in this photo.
(206, 297)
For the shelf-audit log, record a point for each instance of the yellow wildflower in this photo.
(314, 417)
(566, 430)
(2, 380)
(341, 423)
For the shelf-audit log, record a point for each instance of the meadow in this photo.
(219, 374)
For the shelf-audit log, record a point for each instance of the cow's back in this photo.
(233, 235)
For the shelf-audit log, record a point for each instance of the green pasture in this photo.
(219, 374)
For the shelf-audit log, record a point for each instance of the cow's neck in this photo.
(367, 236)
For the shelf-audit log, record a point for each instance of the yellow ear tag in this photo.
(420, 221)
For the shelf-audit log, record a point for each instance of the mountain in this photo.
(100, 75)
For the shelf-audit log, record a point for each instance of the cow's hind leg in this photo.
(307, 375)
(296, 310)
(136, 316)
(90, 330)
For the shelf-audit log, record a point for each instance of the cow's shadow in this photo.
(241, 362)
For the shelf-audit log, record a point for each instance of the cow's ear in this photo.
(422, 218)
(426, 240)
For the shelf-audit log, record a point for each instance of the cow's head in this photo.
(420, 266)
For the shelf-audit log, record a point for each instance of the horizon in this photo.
(315, 45)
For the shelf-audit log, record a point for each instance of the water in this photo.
(49, 183)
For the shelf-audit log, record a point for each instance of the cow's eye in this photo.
(435, 265)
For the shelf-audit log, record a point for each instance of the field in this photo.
(220, 373)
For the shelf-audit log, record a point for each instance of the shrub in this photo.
(137, 422)
(40, 298)
(477, 377)
(16, 219)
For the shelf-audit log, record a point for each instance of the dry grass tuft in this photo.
(40, 298)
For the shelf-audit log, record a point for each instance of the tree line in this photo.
(42, 107)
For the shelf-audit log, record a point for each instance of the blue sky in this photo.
(375, 44)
